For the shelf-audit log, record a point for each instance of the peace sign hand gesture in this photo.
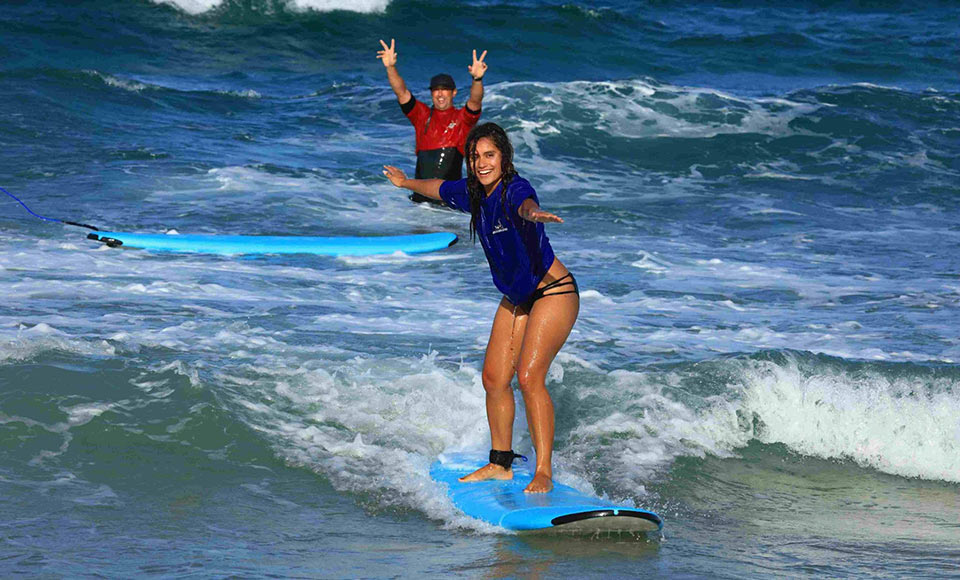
(389, 53)
(478, 68)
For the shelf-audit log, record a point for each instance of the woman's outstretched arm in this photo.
(530, 211)
(427, 187)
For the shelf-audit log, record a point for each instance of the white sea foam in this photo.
(643, 108)
(902, 426)
(651, 263)
(652, 429)
(31, 341)
(125, 84)
(246, 94)
(895, 425)
(233, 179)
(86, 412)
(192, 6)
(773, 211)
(362, 6)
(370, 425)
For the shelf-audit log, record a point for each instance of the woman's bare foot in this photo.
(489, 471)
(542, 483)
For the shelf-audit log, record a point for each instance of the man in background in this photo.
(442, 128)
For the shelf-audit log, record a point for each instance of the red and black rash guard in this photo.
(440, 138)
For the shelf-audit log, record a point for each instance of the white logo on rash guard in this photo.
(498, 228)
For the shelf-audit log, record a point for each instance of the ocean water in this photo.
(761, 207)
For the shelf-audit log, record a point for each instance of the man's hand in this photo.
(389, 57)
(389, 54)
(477, 69)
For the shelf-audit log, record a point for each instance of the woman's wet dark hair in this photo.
(475, 189)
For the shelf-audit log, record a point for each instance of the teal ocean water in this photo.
(761, 207)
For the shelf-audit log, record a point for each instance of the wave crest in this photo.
(273, 6)
(900, 419)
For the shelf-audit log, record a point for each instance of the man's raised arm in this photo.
(389, 58)
(477, 70)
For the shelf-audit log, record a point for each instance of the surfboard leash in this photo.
(505, 458)
(49, 219)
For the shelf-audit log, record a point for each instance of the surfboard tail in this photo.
(608, 520)
(584, 519)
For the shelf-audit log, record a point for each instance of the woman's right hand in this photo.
(395, 175)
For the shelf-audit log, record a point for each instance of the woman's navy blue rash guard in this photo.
(518, 250)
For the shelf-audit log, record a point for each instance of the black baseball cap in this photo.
(442, 81)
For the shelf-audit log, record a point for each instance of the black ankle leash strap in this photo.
(504, 458)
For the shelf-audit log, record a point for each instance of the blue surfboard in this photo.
(564, 509)
(327, 246)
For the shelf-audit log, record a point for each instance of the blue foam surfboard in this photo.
(564, 509)
(327, 246)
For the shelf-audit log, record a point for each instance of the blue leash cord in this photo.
(17, 199)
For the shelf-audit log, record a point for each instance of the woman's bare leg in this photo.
(499, 366)
(547, 328)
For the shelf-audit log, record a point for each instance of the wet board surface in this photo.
(327, 246)
(564, 509)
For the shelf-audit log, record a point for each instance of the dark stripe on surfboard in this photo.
(570, 518)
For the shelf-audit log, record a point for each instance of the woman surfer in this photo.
(540, 303)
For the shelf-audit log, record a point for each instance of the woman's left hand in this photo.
(544, 217)
(538, 215)
(395, 175)
(530, 211)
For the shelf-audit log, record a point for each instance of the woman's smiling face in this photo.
(487, 164)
